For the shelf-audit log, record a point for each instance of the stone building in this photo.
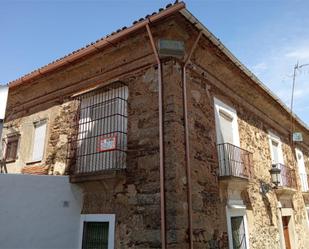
(170, 137)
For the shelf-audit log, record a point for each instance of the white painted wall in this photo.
(39, 212)
(3, 99)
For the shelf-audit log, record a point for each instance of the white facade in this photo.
(3, 99)
(39, 212)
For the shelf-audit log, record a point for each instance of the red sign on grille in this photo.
(107, 143)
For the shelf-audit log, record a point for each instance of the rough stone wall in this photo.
(211, 77)
(175, 170)
(134, 196)
(208, 205)
(208, 218)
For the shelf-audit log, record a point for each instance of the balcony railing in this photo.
(304, 180)
(287, 176)
(234, 161)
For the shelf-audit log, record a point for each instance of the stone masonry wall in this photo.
(209, 208)
(210, 77)
(134, 196)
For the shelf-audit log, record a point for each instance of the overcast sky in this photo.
(269, 37)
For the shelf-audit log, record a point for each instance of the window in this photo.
(226, 127)
(233, 161)
(275, 149)
(97, 231)
(38, 141)
(277, 158)
(226, 124)
(238, 232)
(237, 227)
(302, 170)
(102, 130)
(11, 148)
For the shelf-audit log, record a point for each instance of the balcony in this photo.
(287, 176)
(234, 162)
(287, 186)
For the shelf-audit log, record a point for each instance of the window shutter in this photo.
(11, 148)
(275, 149)
(226, 125)
(39, 141)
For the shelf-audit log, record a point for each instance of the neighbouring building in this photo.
(170, 138)
(3, 100)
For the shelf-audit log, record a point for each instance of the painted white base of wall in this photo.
(39, 212)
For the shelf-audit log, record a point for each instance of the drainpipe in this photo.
(162, 189)
(187, 161)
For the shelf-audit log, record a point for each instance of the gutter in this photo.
(98, 46)
(187, 14)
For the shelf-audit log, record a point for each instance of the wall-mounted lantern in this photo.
(275, 175)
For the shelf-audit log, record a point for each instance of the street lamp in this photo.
(275, 175)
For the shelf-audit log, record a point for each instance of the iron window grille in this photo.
(95, 235)
(99, 140)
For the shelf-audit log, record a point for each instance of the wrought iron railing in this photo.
(234, 161)
(287, 176)
(99, 139)
(304, 180)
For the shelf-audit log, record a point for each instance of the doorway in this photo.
(286, 234)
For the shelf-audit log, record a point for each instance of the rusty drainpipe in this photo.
(187, 161)
(162, 189)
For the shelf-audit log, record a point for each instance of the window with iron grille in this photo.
(95, 235)
(11, 148)
(101, 140)
(97, 231)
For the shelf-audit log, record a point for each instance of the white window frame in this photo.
(292, 232)
(303, 187)
(235, 210)
(220, 106)
(110, 218)
(275, 138)
(41, 122)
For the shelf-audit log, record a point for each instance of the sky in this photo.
(267, 36)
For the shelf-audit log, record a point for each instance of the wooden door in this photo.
(285, 224)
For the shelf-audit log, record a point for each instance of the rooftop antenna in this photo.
(296, 67)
